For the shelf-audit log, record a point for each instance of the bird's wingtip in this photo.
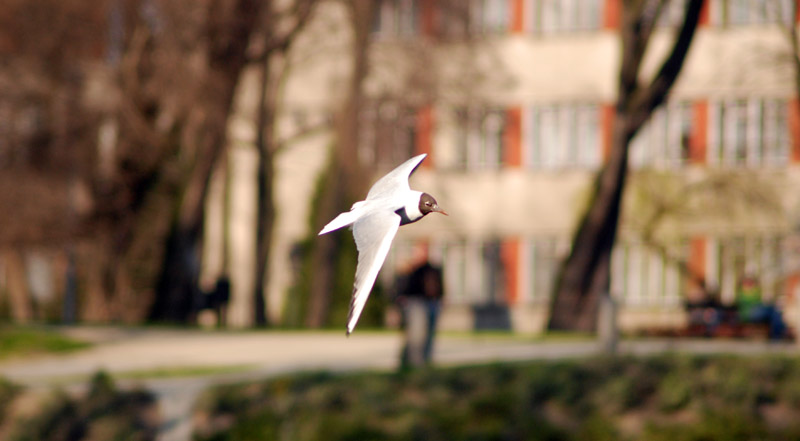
(347, 332)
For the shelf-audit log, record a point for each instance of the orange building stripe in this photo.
(698, 141)
(797, 10)
(611, 14)
(428, 18)
(793, 113)
(705, 15)
(512, 151)
(425, 135)
(792, 282)
(697, 263)
(509, 250)
(516, 22)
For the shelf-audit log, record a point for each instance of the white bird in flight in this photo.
(390, 203)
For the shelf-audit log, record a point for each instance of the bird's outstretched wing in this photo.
(396, 181)
(373, 234)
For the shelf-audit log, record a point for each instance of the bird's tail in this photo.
(344, 219)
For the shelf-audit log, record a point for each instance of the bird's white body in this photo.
(409, 202)
(389, 204)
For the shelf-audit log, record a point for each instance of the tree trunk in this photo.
(345, 181)
(273, 67)
(586, 273)
(229, 35)
(19, 298)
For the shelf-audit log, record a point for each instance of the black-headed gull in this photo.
(389, 204)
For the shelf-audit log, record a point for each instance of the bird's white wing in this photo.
(396, 181)
(374, 234)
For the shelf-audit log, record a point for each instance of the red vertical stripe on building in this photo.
(698, 141)
(510, 256)
(794, 128)
(517, 8)
(512, 149)
(607, 115)
(425, 134)
(705, 15)
(428, 18)
(611, 14)
(792, 282)
(697, 266)
(797, 10)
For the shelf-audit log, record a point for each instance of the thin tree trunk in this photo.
(18, 296)
(344, 178)
(273, 66)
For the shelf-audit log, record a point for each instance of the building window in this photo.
(642, 276)
(751, 12)
(542, 258)
(388, 134)
(555, 16)
(480, 138)
(489, 16)
(672, 13)
(462, 19)
(563, 136)
(663, 142)
(473, 272)
(748, 133)
(731, 258)
(396, 18)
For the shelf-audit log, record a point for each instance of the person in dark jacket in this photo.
(421, 300)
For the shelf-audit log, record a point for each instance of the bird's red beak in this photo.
(439, 210)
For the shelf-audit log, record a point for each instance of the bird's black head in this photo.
(427, 204)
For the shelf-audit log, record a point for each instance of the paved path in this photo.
(236, 356)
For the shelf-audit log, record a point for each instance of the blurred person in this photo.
(420, 299)
(220, 298)
(753, 309)
(708, 312)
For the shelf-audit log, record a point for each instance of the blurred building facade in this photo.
(513, 102)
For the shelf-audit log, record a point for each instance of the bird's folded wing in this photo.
(373, 234)
(396, 181)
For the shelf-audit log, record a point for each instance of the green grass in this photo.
(27, 341)
(182, 371)
(669, 397)
(155, 373)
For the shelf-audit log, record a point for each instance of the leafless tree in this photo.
(584, 278)
(344, 179)
(274, 67)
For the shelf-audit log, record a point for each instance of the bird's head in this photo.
(427, 204)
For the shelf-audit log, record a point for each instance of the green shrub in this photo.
(8, 391)
(659, 398)
(104, 413)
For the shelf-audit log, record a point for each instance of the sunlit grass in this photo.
(27, 341)
(182, 372)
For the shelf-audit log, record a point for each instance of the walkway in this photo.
(169, 356)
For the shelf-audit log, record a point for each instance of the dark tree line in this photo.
(130, 102)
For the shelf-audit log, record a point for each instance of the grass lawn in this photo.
(25, 341)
